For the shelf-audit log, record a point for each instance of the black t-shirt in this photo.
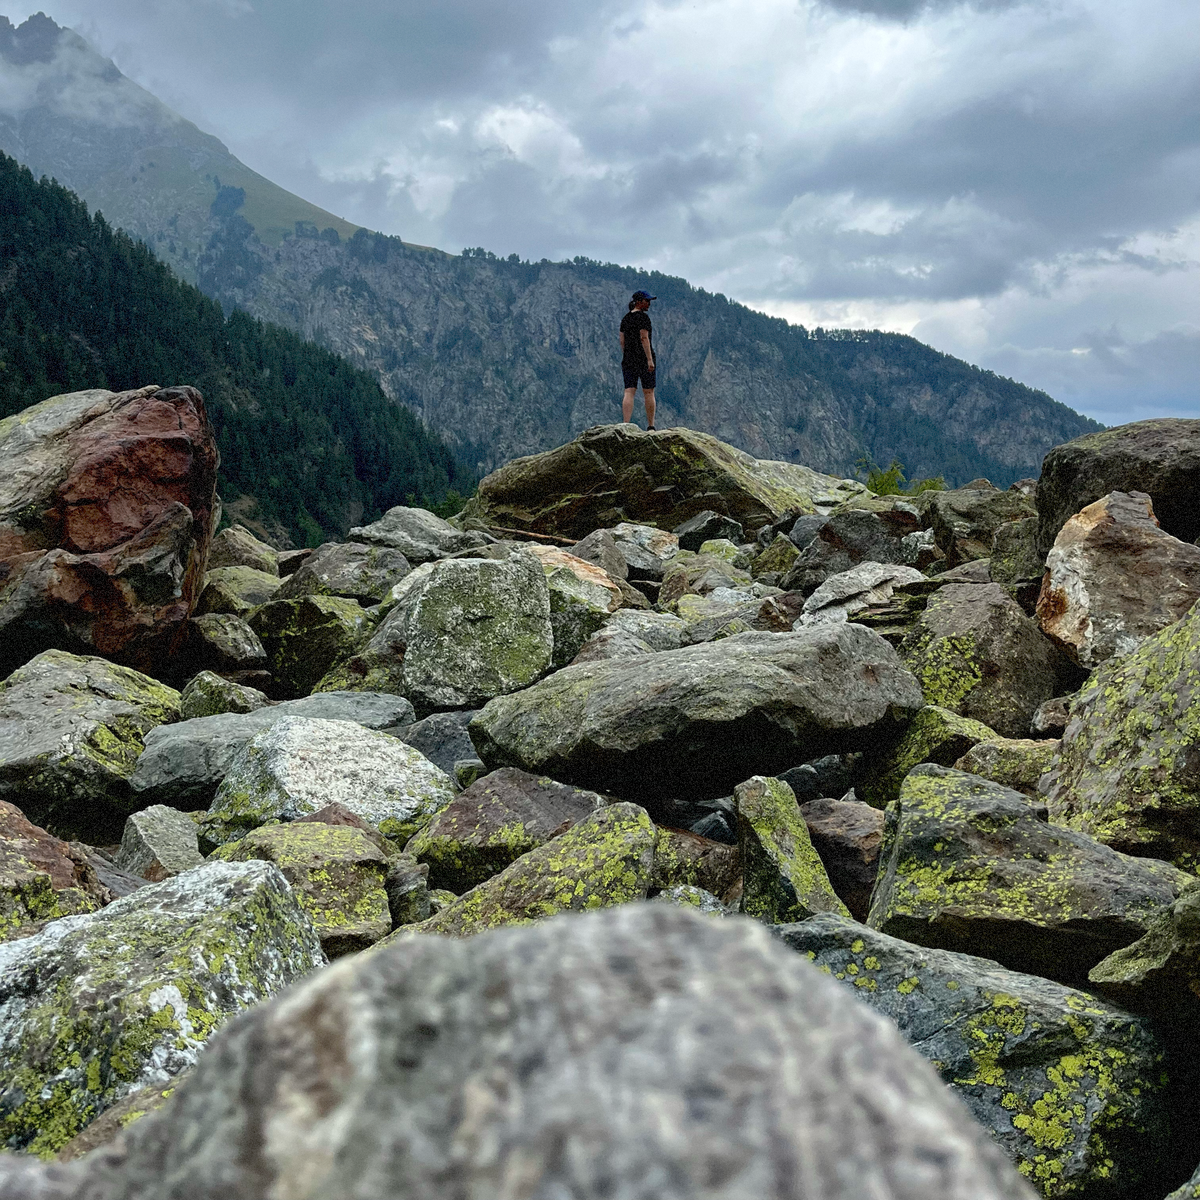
(632, 324)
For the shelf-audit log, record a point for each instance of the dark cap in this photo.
(643, 296)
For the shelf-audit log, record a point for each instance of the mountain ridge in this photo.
(503, 357)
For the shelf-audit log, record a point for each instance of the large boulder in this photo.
(493, 822)
(612, 473)
(106, 514)
(300, 764)
(96, 1007)
(697, 721)
(421, 536)
(966, 519)
(975, 652)
(1113, 578)
(349, 569)
(337, 873)
(784, 878)
(603, 859)
(183, 764)
(969, 865)
(1070, 1087)
(644, 1051)
(304, 638)
(1159, 457)
(206, 694)
(1128, 770)
(1017, 763)
(581, 598)
(41, 877)
(464, 630)
(71, 731)
(442, 737)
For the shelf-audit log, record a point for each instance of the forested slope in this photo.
(313, 440)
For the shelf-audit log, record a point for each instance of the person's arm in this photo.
(646, 349)
(621, 339)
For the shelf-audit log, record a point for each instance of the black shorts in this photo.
(638, 372)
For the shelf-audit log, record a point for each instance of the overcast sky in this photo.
(1014, 183)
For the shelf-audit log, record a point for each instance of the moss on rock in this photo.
(305, 637)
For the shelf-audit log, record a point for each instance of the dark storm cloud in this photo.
(1014, 176)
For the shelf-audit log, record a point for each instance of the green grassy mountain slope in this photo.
(309, 444)
(503, 357)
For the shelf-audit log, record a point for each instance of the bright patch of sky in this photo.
(1016, 183)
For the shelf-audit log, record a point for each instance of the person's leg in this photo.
(648, 396)
(627, 404)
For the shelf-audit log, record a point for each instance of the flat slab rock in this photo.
(183, 764)
(95, 1007)
(641, 1053)
(1070, 1086)
(700, 720)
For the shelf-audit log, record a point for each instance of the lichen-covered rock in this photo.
(183, 764)
(1160, 457)
(642, 1051)
(207, 694)
(611, 473)
(783, 876)
(848, 592)
(1016, 763)
(687, 895)
(95, 1007)
(935, 735)
(685, 859)
(158, 842)
(775, 561)
(698, 721)
(604, 859)
(493, 822)
(628, 633)
(71, 731)
(41, 877)
(337, 873)
(407, 886)
(106, 513)
(1015, 562)
(725, 550)
(1128, 771)
(966, 519)
(847, 835)
(972, 866)
(238, 547)
(699, 575)
(1190, 1190)
(222, 642)
(1051, 716)
(349, 569)
(1113, 578)
(107, 1127)
(303, 638)
(464, 630)
(299, 765)
(1071, 1088)
(725, 612)
(646, 549)
(421, 536)
(975, 652)
(1160, 972)
(581, 599)
(236, 590)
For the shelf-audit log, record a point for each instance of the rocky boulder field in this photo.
(682, 825)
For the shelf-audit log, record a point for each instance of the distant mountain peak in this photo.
(33, 41)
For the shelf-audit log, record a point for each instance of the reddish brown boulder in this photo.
(41, 877)
(106, 513)
(847, 834)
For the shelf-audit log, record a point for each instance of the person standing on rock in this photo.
(637, 356)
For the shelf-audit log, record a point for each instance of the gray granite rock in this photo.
(158, 842)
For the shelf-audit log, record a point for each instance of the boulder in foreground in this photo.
(698, 721)
(106, 514)
(1069, 1086)
(96, 1007)
(643, 1052)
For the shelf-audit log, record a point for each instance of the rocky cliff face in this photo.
(502, 357)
